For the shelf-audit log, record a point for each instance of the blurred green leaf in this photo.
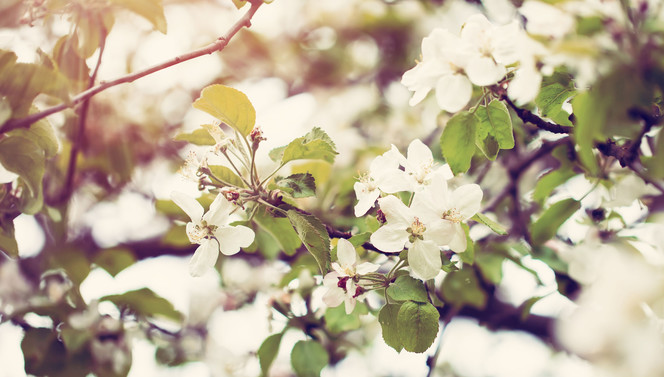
(407, 288)
(267, 352)
(491, 266)
(494, 226)
(114, 260)
(226, 175)
(144, 302)
(308, 358)
(418, 325)
(458, 140)
(359, 239)
(388, 319)
(8, 243)
(24, 157)
(547, 225)
(337, 321)
(199, 136)
(468, 256)
(314, 237)
(151, 10)
(229, 105)
(462, 288)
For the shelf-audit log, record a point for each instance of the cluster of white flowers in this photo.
(433, 219)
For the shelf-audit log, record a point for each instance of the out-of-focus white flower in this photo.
(342, 283)
(445, 210)
(442, 67)
(384, 176)
(626, 191)
(211, 231)
(15, 289)
(546, 20)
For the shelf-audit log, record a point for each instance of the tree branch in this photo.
(218, 45)
(528, 117)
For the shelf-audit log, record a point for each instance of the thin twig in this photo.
(527, 116)
(218, 45)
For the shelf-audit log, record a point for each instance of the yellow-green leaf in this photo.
(229, 105)
(151, 10)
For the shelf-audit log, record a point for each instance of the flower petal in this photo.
(458, 244)
(366, 198)
(189, 205)
(390, 239)
(467, 199)
(219, 211)
(453, 92)
(204, 257)
(396, 213)
(424, 259)
(232, 238)
(365, 268)
(334, 297)
(484, 71)
(346, 254)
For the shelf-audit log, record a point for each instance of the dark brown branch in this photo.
(528, 117)
(218, 45)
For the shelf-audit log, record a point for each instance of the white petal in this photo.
(458, 243)
(232, 238)
(204, 258)
(365, 268)
(440, 232)
(366, 198)
(189, 205)
(331, 279)
(346, 254)
(424, 259)
(419, 153)
(453, 92)
(484, 71)
(334, 297)
(350, 304)
(219, 211)
(467, 199)
(396, 213)
(390, 239)
(525, 85)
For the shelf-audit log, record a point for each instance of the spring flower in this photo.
(343, 282)
(211, 231)
(419, 166)
(383, 176)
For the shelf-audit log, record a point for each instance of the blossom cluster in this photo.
(433, 218)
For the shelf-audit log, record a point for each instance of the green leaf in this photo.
(299, 185)
(547, 225)
(43, 353)
(387, 317)
(494, 226)
(494, 131)
(267, 352)
(68, 59)
(360, 238)
(199, 136)
(315, 145)
(548, 182)
(5, 110)
(407, 288)
(280, 229)
(24, 157)
(491, 266)
(43, 134)
(462, 288)
(308, 358)
(229, 105)
(144, 302)
(417, 324)
(314, 236)
(552, 96)
(458, 141)
(468, 256)
(114, 260)
(654, 164)
(8, 243)
(151, 10)
(337, 321)
(527, 306)
(226, 175)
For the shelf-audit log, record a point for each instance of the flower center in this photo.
(453, 215)
(201, 232)
(423, 172)
(369, 183)
(416, 230)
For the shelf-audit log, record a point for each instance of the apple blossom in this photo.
(383, 176)
(419, 165)
(211, 231)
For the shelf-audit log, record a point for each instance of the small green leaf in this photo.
(315, 145)
(280, 229)
(229, 105)
(225, 175)
(267, 352)
(491, 266)
(8, 243)
(114, 260)
(458, 141)
(337, 321)
(494, 131)
(43, 134)
(551, 98)
(549, 181)
(151, 10)
(417, 324)
(527, 306)
(299, 185)
(462, 288)
(314, 236)
(387, 317)
(308, 358)
(144, 302)
(199, 136)
(26, 158)
(654, 164)
(360, 238)
(494, 226)
(407, 288)
(547, 225)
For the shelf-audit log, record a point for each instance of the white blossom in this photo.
(383, 176)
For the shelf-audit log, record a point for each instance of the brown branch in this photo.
(218, 45)
(528, 117)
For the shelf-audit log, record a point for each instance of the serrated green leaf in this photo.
(280, 229)
(387, 317)
(314, 236)
(462, 288)
(315, 145)
(144, 302)
(407, 288)
(226, 175)
(494, 130)
(26, 158)
(494, 226)
(151, 10)
(458, 141)
(417, 324)
(547, 225)
(229, 105)
(550, 101)
(8, 243)
(267, 352)
(308, 358)
(299, 185)
(114, 260)
(491, 266)
(199, 136)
